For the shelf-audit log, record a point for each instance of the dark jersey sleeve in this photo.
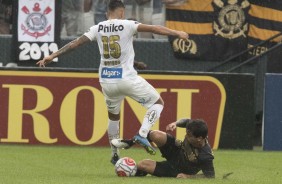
(182, 123)
(206, 161)
(208, 169)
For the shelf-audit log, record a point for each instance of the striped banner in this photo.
(265, 19)
(217, 28)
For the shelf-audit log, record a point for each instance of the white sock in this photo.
(113, 133)
(152, 115)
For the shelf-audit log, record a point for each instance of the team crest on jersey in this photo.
(36, 24)
(231, 21)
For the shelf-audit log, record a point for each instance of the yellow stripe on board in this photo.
(195, 5)
(191, 28)
(263, 34)
(49, 74)
(265, 13)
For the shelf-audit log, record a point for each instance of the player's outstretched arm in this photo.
(179, 123)
(68, 47)
(161, 30)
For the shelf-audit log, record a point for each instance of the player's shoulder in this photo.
(207, 147)
(206, 152)
(127, 21)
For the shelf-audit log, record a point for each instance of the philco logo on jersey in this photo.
(111, 73)
(110, 28)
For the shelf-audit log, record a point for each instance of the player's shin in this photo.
(152, 115)
(113, 133)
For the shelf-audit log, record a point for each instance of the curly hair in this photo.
(198, 128)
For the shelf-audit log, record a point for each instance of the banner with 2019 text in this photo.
(37, 32)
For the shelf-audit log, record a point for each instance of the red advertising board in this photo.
(68, 108)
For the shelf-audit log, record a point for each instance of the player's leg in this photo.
(167, 144)
(144, 93)
(113, 133)
(161, 169)
(158, 137)
(113, 101)
(145, 167)
(170, 151)
(123, 143)
(152, 115)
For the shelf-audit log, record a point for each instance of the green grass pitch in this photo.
(82, 165)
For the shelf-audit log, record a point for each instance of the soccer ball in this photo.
(126, 167)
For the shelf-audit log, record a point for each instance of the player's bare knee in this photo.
(158, 137)
(145, 165)
(142, 165)
(154, 135)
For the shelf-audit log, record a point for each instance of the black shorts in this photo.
(171, 152)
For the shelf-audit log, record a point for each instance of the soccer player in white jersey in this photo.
(117, 76)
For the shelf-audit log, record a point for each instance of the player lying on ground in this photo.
(184, 159)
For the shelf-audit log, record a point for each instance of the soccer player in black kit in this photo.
(184, 159)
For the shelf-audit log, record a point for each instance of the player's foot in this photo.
(122, 143)
(145, 143)
(114, 158)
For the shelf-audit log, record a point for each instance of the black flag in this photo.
(37, 31)
(217, 29)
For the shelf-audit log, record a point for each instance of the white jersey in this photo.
(115, 41)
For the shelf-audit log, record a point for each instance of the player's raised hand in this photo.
(183, 35)
(182, 175)
(171, 126)
(46, 60)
